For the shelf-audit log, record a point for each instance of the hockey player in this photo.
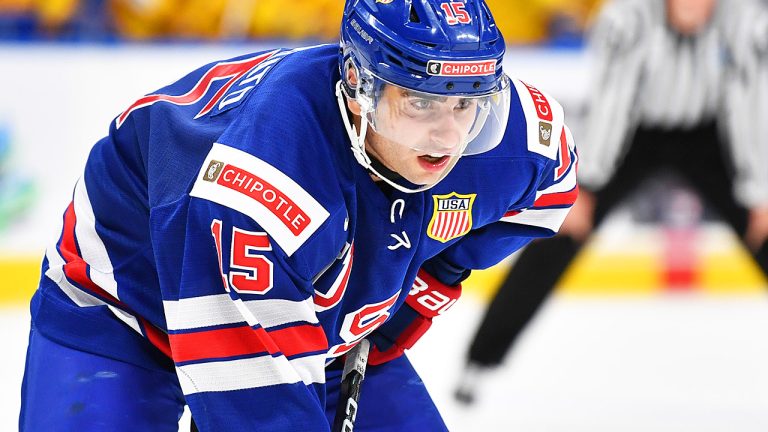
(240, 230)
(680, 85)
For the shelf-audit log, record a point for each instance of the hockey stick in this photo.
(351, 381)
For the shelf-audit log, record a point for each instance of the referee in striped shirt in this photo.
(677, 84)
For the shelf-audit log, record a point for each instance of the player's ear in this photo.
(351, 78)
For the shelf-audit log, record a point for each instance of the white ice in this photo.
(664, 364)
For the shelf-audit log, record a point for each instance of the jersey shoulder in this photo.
(181, 121)
(280, 160)
(308, 74)
(301, 209)
(535, 126)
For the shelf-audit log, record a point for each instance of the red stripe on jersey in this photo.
(68, 246)
(565, 156)
(299, 340)
(156, 337)
(331, 301)
(219, 94)
(75, 268)
(241, 341)
(231, 70)
(512, 213)
(557, 199)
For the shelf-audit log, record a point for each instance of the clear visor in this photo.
(437, 125)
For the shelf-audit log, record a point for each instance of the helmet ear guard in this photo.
(364, 90)
(348, 66)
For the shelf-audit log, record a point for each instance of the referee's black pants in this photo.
(695, 154)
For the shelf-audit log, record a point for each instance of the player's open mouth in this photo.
(434, 163)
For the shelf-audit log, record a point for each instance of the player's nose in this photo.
(446, 136)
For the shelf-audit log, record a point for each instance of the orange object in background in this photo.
(142, 20)
(533, 21)
(54, 14)
(51, 15)
(15, 6)
(227, 19)
(521, 21)
(306, 19)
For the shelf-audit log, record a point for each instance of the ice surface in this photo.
(672, 363)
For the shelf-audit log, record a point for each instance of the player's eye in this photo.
(419, 103)
(464, 104)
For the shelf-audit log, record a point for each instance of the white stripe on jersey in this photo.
(220, 309)
(126, 318)
(565, 184)
(55, 273)
(550, 218)
(92, 249)
(79, 297)
(250, 373)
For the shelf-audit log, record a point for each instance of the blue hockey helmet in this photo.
(432, 50)
(434, 46)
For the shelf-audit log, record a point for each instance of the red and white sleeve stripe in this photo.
(553, 202)
(217, 348)
(80, 266)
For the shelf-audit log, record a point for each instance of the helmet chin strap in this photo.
(362, 157)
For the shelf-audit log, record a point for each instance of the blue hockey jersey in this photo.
(224, 227)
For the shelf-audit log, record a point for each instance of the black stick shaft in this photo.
(349, 393)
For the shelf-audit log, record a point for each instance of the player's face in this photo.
(419, 135)
(689, 16)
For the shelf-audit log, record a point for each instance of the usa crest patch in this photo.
(451, 217)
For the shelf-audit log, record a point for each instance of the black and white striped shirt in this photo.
(645, 73)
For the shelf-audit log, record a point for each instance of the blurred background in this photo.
(660, 325)
(522, 22)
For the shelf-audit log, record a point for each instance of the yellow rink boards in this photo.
(19, 278)
(633, 264)
(600, 270)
